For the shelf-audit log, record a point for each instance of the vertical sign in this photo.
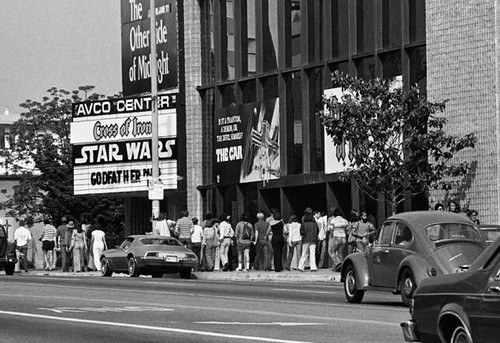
(136, 64)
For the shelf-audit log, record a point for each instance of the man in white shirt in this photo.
(338, 225)
(226, 233)
(321, 257)
(22, 236)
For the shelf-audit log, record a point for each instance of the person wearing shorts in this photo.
(48, 244)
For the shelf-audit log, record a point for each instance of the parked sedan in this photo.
(410, 247)
(149, 255)
(461, 307)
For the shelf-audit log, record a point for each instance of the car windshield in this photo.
(452, 231)
(159, 241)
(490, 234)
(454, 254)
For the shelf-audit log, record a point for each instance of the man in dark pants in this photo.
(63, 243)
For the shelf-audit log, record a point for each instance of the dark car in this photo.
(8, 257)
(462, 307)
(149, 255)
(490, 232)
(410, 247)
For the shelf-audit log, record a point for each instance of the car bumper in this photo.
(409, 331)
(162, 264)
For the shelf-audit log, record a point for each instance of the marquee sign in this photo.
(112, 149)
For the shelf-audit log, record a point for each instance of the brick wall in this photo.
(192, 47)
(462, 66)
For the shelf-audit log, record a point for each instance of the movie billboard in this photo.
(136, 47)
(112, 148)
(247, 147)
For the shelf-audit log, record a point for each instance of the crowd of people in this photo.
(315, 240)
(454, 206)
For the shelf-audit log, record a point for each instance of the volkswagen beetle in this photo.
(410, 247)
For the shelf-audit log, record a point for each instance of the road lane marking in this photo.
(262, 324)
(105, 309)
(302, 291)
(148, 327)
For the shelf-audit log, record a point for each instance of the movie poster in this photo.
(247, 143)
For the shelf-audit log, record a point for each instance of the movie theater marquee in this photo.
(112, 144)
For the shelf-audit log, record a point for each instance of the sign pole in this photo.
(154, 107)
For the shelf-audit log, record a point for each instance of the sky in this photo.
(58, 43)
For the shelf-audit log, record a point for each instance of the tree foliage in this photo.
(40, 154)
(395, 139)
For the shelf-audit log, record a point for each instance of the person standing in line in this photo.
(338, 226)
(262, 229)
(98, 244)
(184, 229)
(87, 229)
(362, 232)
(63, 242)
(48, 239)
(196, 240)
(22, 236)
(161, 227)
(321, 259)
(226, 234)
(245, 236)
(78, 246)
(277, 241)
(294, 242)
(309, 232)
(351, 240)
(210, 241)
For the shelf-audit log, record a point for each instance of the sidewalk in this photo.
(321, 275)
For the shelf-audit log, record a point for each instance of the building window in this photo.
(366, 68)
(295, 33)
(229, 35)
(340, 23)
(251, 42)
(391, 64)
(391, 23)
(294, 112)
(228, 95)
(270, 35)
(365, 29)
(417, 20)
(317, 105)
(248, 91)
(270, 87)
(418, 68)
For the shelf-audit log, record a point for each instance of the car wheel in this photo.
(352, 294)
(185, 273)
(460, 335)
(133, 269)
(9, 268)
(106, 269)
(157, 275)
(407, 286)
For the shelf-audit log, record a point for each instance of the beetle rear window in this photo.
(443, 231)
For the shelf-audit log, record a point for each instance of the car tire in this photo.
(9, 268)
(352, 294)
(407, 286)
(460, 335)
(157, 275)
(106, 269)
(133, 268)
(185, 273)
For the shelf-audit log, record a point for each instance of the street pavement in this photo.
(321, 275)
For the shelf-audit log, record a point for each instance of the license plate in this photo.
(171, 259)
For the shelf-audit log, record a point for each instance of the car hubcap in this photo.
(461, 337)
(408, 287)
(131, 267)
(350, 283)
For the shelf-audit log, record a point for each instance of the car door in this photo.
(490, 307)
(378, 257)
(401, 244)
(119, 257)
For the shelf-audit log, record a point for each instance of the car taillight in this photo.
(152, 254)
(432, 271)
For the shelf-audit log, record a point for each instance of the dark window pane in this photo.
(418, 68)
(365, 29)
(340, 23)
(317, 94)
(248, 91)
(391, 64)
(270, 86)
(294, 112)
(417, 20)
(391, 23)
(228, 96)
(366, 68)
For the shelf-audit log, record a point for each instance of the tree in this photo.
(395, 139)
(40, 154)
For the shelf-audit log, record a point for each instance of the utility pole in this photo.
(154, 193)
